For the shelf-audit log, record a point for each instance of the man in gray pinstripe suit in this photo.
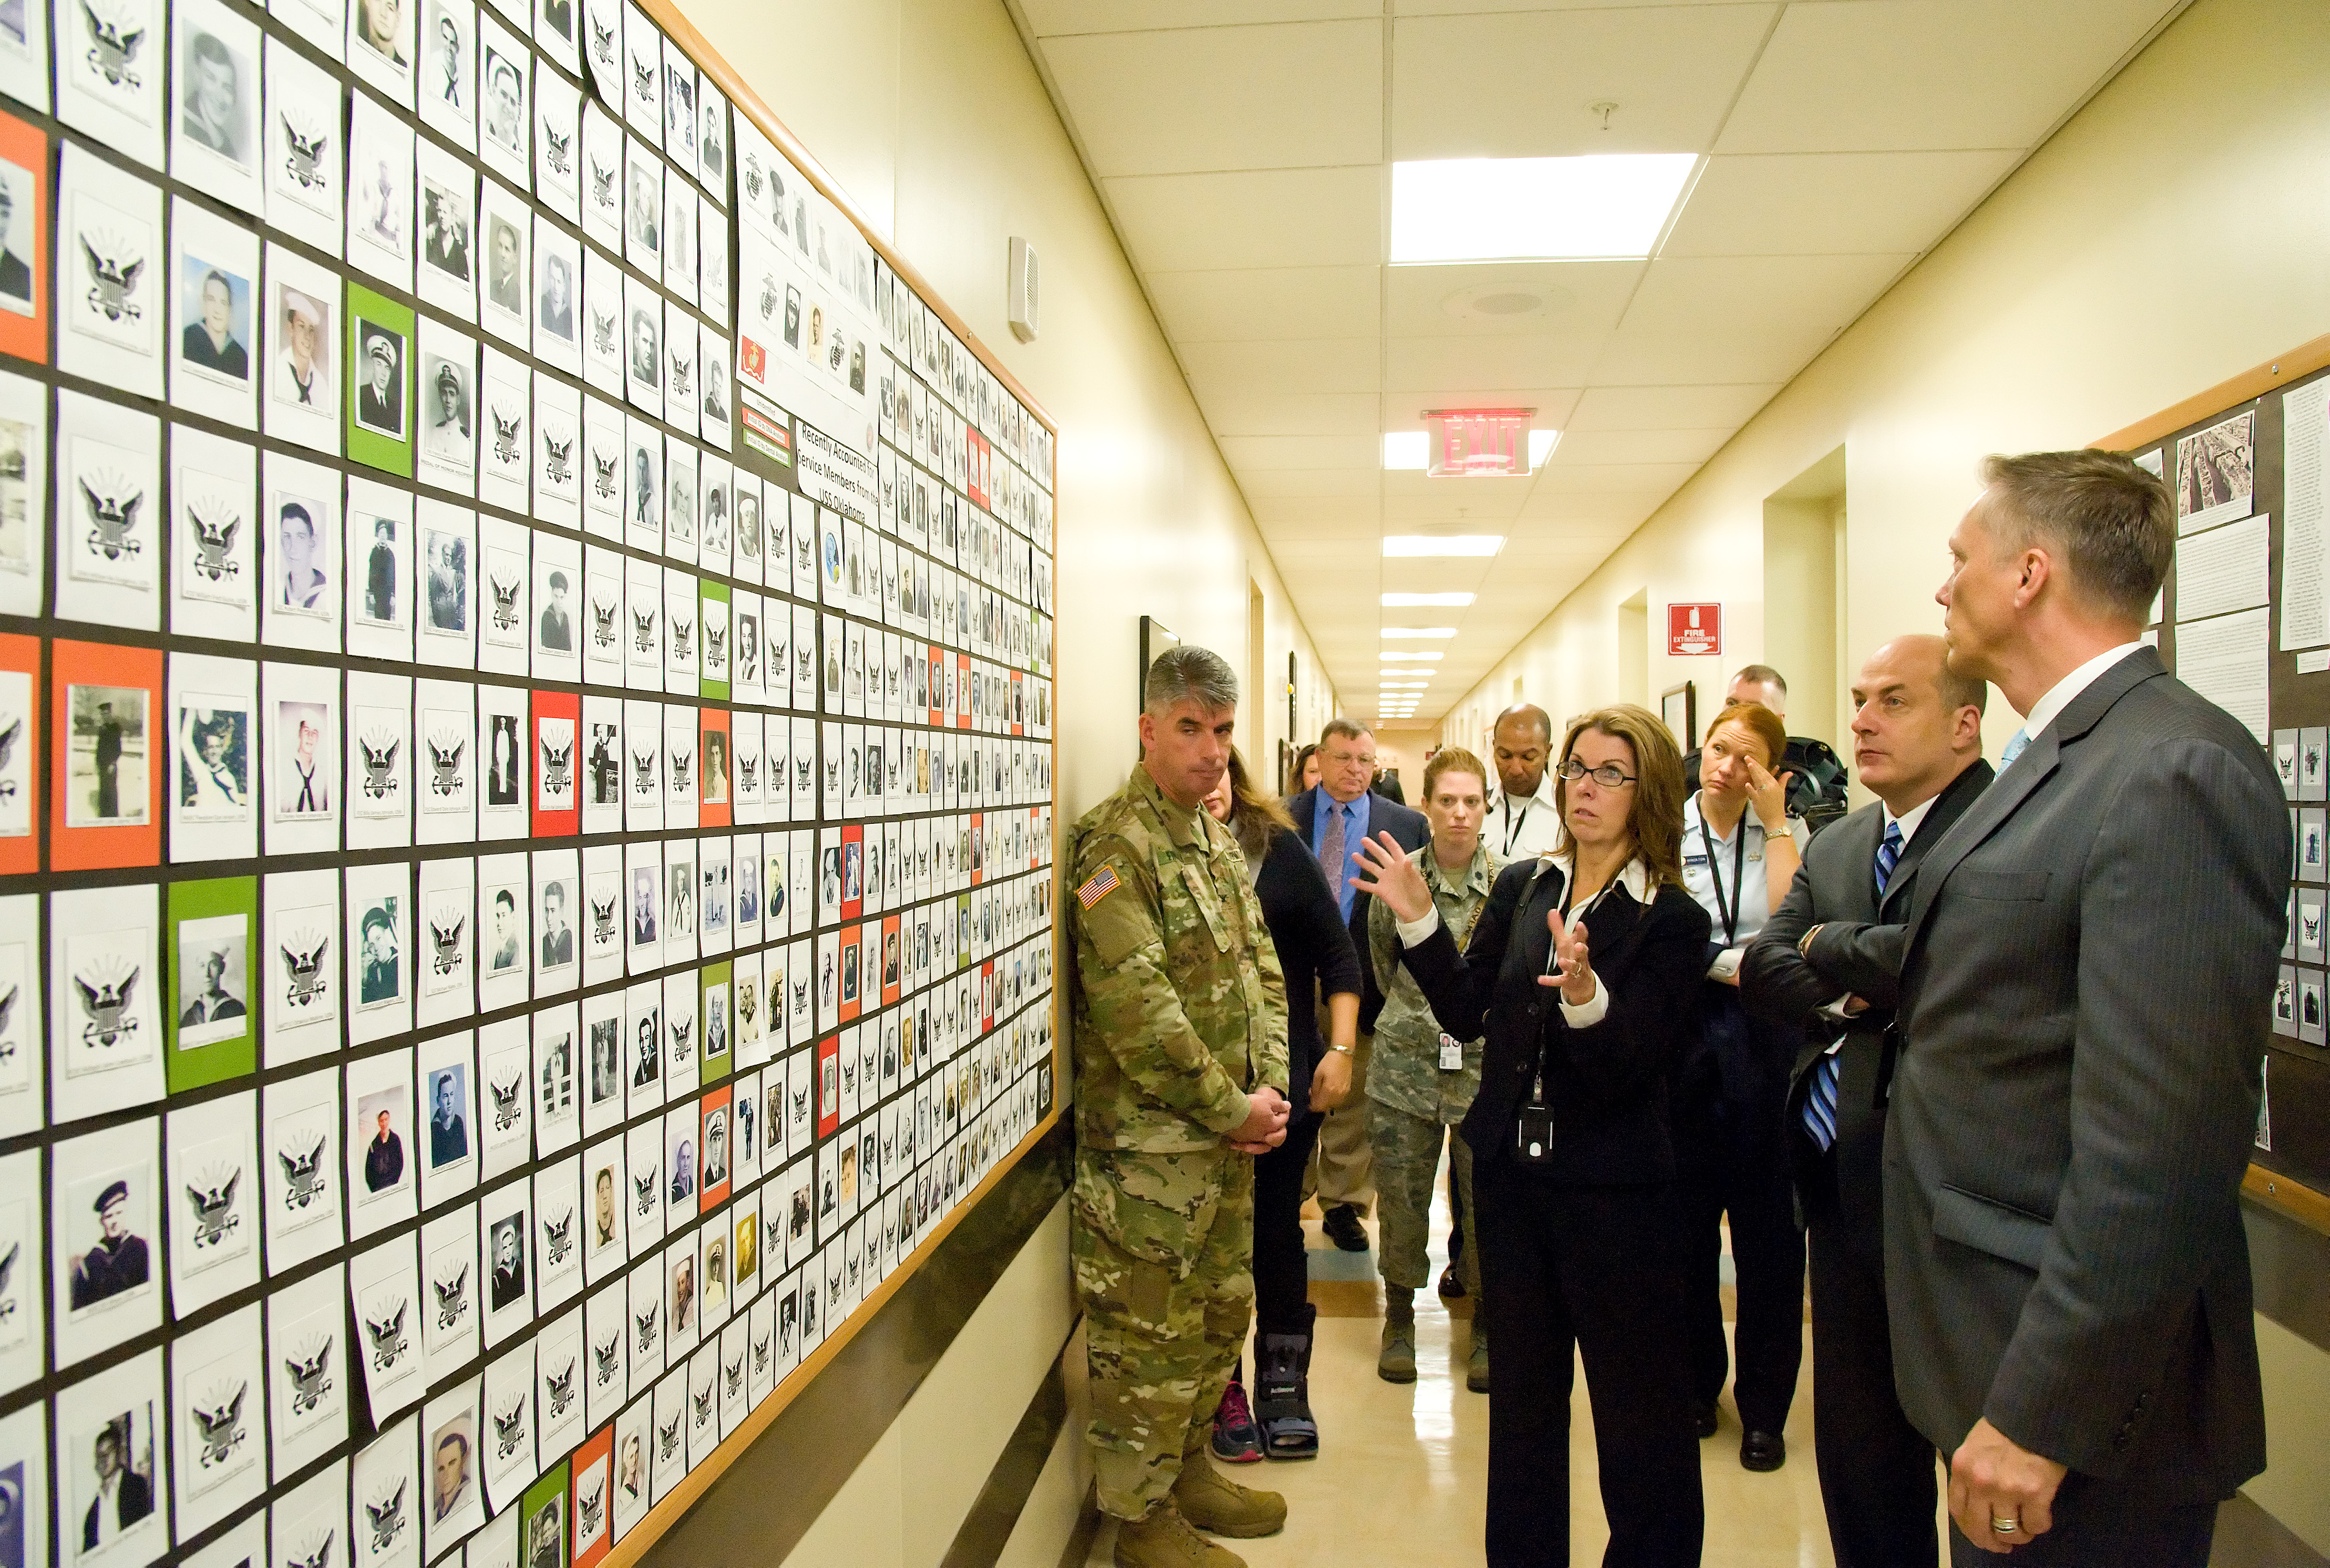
(2087, 964)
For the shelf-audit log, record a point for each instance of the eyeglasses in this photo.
(1609, 775)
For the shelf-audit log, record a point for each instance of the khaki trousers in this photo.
(1344, 1166)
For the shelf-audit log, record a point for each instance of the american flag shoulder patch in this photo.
(1103, 883)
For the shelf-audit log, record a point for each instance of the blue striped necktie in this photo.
(1820, 1104)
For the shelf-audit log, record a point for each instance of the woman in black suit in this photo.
(1574, 1170)
(1307, 927)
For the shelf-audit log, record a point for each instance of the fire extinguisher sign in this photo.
(1694, 628)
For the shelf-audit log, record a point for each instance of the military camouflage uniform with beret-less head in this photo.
(1179, 1014)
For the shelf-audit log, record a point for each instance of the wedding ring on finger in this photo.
(2006, 1527)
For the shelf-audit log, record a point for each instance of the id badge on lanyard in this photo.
(1452, 1053)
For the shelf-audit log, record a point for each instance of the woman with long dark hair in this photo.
(1584, 973)
(1313, 946)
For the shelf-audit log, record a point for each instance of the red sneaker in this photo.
(1236, 1440)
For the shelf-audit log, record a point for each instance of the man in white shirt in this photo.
(1522, 819)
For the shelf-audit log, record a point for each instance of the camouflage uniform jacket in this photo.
(1179, 1006)
(1405, 1071)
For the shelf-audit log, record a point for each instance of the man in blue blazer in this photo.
(1335, 816)
(2086, 974)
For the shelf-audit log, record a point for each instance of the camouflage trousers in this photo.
(1407, 1163)
(1162, 1246)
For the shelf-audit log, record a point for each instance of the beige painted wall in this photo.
(931, 115)
(2172, 234)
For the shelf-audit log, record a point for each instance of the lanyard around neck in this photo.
(1728, 911)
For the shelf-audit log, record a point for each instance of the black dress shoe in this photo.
(1451, 1284)
(1341, 1223)
(1702, 1417)
(1762, 1451)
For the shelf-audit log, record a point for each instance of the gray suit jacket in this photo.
(1856, 952)
(2088, 967)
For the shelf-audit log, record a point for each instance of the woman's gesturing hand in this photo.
(1390, 873)
(1573, 962)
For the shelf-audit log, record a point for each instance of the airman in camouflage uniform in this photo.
(1180, 1057)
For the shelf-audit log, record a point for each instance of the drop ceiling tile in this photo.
(1315, 517)
(1453, 505)
(1713, 295)
(1348, 483)
(1811, 203)
(1268, 302)
(1493, 365)
(1246, 452)
(1518, 85)
(1285, 95)
(1259, 414)
(1302, 365)
(1267, 218)
(1049, 18)
(1897, 75)
(1684, 446)
(1659, 479)
(1663, 408)
(1482, 299)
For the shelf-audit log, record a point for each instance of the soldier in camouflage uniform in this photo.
(1180, 1055)
(1416, 1096)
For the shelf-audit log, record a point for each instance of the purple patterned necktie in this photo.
(1330, 848)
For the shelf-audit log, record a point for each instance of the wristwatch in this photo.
(1804, 942)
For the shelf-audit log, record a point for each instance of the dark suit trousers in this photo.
(1282, 1274)
(1876, 1469)
(2105, 1525)
(1767, 1255)
(1593, 1272)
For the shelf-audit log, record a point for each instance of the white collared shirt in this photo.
(1524, 827)
(2063, 693)
(1751, 900)
(1634, 877)
(1910, 820)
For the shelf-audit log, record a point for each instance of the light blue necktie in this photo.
(1820, 1104)
(2014, 747)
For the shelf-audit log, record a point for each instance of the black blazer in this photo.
(1410, 829)
(1857, 952)
(1607, 1084)
(2086, 983)
(1307, 930)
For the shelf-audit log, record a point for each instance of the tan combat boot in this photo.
(1164, 1540)
(1213, 1502)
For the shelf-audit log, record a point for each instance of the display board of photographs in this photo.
(2245, 621)
(524, 777)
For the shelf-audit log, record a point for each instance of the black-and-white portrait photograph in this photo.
(303, 361)
(447, 554)
(214, 975)
(382, 29)
(379, 399)
(18, 201)
(380, 184)
(112, 1256)
(447, 439)
(448, 1116)
(606, 1081)
(507, 1285)
(647, 901)
(505, 264)
(303, 753)
(502, 760)
(503, 113)
(381, 979)
(554, 314)
(504, 930)
(383, 600)
(448, 70)
(643, 207)
(107, 754)
(110, 1456)
(218, 94)
(557, 939)
(646, 354)
(445, 224)
(214, 758)
(302, 573)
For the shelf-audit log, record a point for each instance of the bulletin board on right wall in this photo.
(2245, 621)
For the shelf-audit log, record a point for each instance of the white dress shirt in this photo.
(1635, 878)
(2063, 693)
(1525, 826)
(1751, 900)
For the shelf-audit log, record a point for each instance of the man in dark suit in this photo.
(1335, 816)
(1825, 963)
(121, 1492)
(2087, 970)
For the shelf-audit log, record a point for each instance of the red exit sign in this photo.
(1694, 628)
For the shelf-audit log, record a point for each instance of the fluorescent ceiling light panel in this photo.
(1406, 449)
(1420, 631)
(1542, 446)
(1408, 655)
(1414, 600)
(1423, 545)
(1605, 205)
